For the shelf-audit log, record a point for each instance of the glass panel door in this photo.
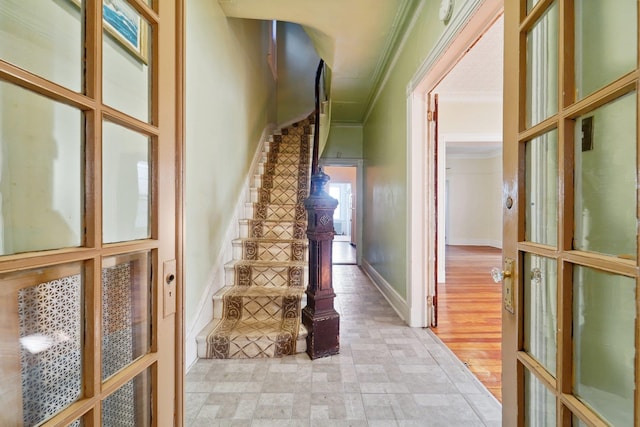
(571, 162)
(85, 241)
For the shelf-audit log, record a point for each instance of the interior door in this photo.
(88, 226)
(570, 200)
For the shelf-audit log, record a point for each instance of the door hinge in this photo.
(431, 116)
(430, 301)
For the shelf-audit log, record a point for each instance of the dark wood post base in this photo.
(319, 316)
(324, 333)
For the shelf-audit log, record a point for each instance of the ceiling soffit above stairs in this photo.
(356, 38)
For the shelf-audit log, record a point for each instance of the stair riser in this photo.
(218, 304)
(301, 342)
(278, 196)
(278, 182)
(286, 158)
(270, 251)
(271, 277)
(256, 229)
(269, 212)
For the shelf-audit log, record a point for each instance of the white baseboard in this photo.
(395, 300)
(215, 281)
(475, 242)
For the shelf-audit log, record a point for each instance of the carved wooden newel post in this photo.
(319, 316)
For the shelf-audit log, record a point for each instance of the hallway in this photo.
(387, 374)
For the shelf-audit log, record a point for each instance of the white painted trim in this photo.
(390, 294)
(417, 251)
(215, 281)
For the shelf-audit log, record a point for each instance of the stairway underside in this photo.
(258, 311)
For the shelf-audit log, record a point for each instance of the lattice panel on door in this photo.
(117, 334)
(117, 342)
(119, 409)
(50, 320)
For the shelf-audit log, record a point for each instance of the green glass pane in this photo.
(540, 310)
(541, 184)
(539, 403)
(604, 317)
(126, 60)
(130, 405)
(125, 183)
(577, 422)
(606, 42)
(542, 68)
(45, 38)
(606, 179)
(41, 172)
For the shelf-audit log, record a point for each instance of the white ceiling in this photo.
(477, 78)
(479, 72)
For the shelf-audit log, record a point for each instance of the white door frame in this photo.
(473, 19)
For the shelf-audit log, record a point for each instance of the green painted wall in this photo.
(344, 141)
(297, 65)
(230, 99)
(384, 150)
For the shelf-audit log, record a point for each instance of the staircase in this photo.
(258, 311)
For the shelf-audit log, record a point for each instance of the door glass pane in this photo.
(606, 42)
(531, 4)
(542, 68)
(41, 158)
(130, 405)
(576, 422)
(45, 38)
(540, 309)
(126, 58)
(125, 184)
(126, 311)
(541, 181)
(606, 185)
(41, 314)
(539, 402)
(604, 317)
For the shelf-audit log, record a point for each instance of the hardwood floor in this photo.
(469, 312)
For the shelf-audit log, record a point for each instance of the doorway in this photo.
(343, 187)
(466, 129)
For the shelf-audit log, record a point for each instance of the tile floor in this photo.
(342, 252)
(386, 374)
